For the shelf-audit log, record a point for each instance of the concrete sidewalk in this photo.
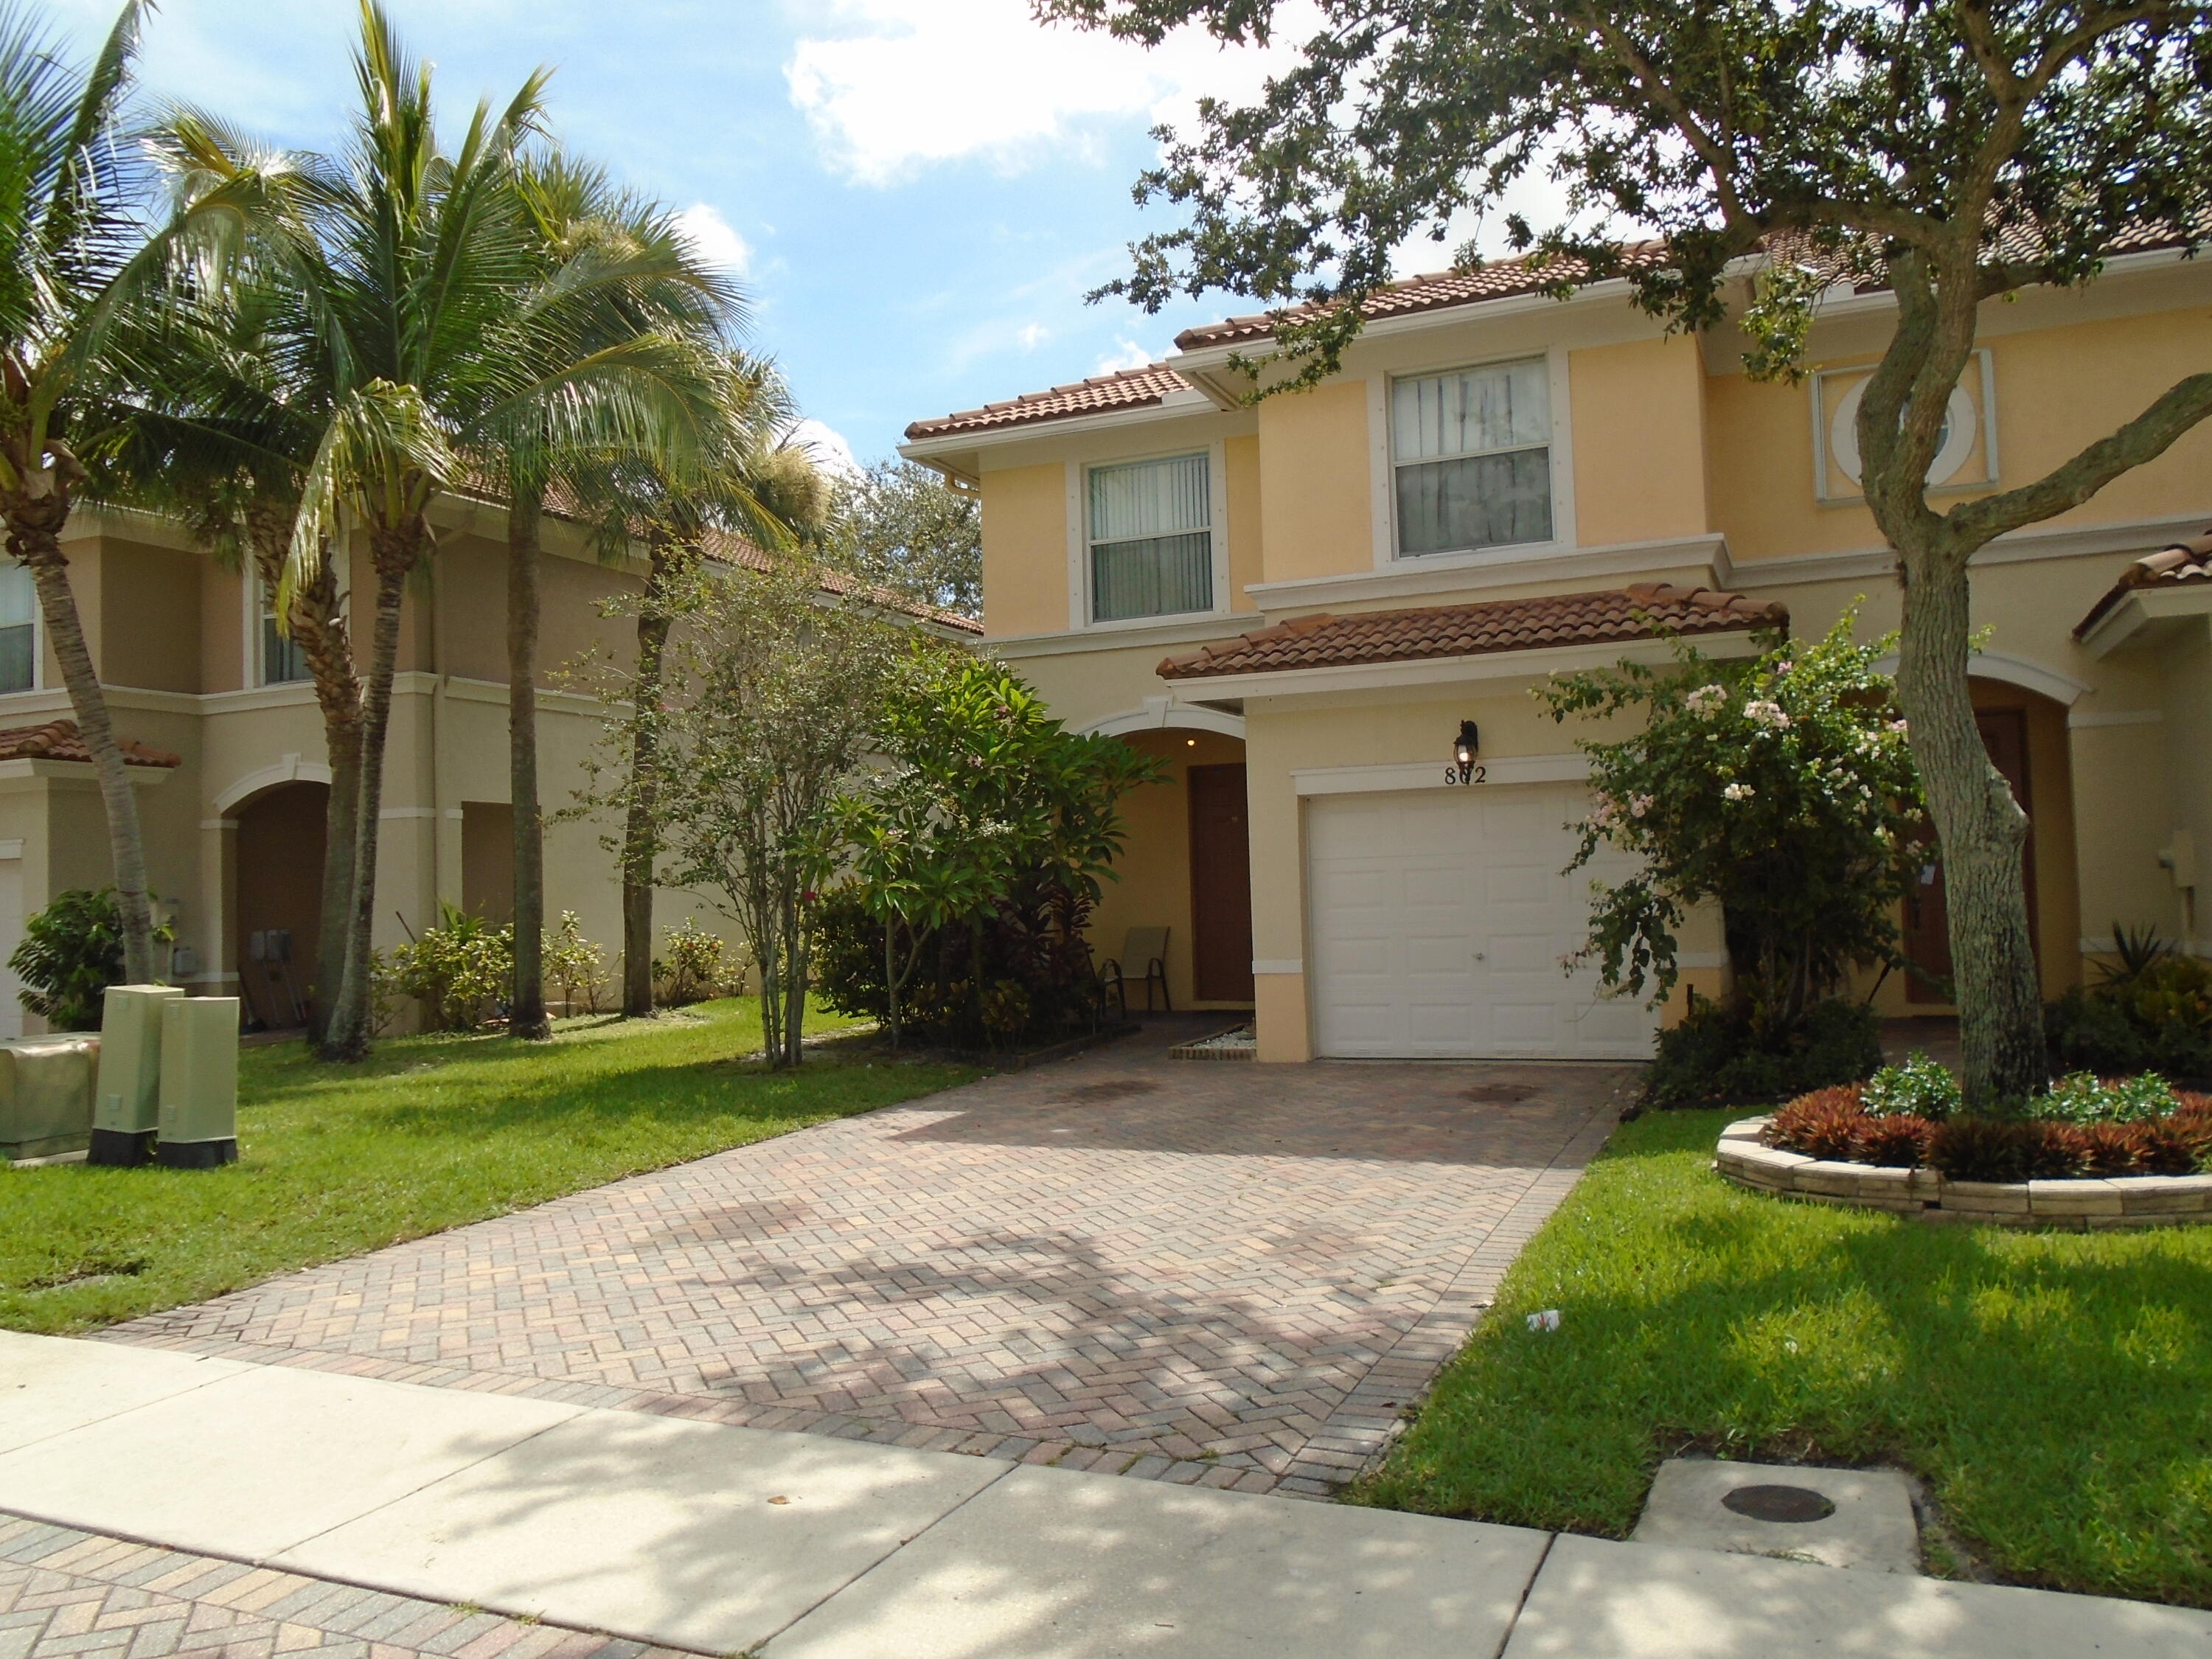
(729, 1540)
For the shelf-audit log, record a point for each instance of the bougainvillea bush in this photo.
(1909, 1116)
(1778, 787)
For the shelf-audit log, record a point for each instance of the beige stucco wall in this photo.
(1240, 461)
(1639, 441)
(1315, 496)
(1025, 550)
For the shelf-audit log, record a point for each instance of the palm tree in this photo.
(431, 330)
(672, 297)
(78, 263)
(219, 437)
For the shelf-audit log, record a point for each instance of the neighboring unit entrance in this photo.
(1220, 886)
(1438, 922)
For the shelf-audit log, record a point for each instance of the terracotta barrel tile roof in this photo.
(2181, 564)
(1473, 630)
(58, 740)
(1127, 388)
(1497, 279)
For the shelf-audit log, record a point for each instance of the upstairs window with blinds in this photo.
(283, 661)
(1473, 454)
(19, 630)
(1152, 539)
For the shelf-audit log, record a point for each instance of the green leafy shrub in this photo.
(2084, 1098)
(1720, 1055)
(2153, 1012)
(692, 966)
(575, 965)
(459, 971)
(1920, 1088)
(71, 951)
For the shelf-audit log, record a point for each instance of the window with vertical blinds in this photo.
(1472, 450)
(1152, 539)
(19, 628)
(283, 661)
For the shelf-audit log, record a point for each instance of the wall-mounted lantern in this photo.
(1465, 747)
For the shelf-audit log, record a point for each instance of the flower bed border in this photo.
(2093, 1202)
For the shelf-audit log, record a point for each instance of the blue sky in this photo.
(917, 192)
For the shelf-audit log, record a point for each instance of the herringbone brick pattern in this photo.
(1231, 1274)
(71, 1595)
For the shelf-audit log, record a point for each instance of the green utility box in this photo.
(127, 1097)
(45, 1094)
(198, 1127)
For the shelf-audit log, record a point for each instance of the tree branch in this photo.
(2068, 485)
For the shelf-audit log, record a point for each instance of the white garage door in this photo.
(1438, 921)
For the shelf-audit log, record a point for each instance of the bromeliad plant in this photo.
(1779, 786)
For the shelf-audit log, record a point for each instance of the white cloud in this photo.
(1033, 335)
(892, 87)
(1127, 354)
(827, 445)
(712, 238)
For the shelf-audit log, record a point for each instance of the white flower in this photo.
(1603, 815)
(1784, 667)
(1739, 792)
(1639, 805)
(1898, 726)
(1706, 700)
(1764, 712)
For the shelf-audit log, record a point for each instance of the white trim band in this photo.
(1430, 775)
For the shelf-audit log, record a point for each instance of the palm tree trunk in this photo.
(640, 843)
(1982, 832)
(318, 624)
(395, 554)
(39, 546)
(525, 1016)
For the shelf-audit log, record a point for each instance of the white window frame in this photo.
(258, 607)
(38, 643)
(1078, 537)
(1382, 469)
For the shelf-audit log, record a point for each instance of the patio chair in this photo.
(1147, 949)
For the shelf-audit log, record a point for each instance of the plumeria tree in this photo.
(1780, 787)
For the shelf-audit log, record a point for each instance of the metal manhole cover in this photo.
(1499, 1094)
(1792, 1504)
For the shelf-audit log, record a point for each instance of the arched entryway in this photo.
(2025, 733)
(1186, 865)
(279, 901)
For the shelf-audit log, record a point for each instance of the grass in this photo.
(2049, 1387)
(431, 1133)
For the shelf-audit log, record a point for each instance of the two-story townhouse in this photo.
(233, 777)
(1304, 605)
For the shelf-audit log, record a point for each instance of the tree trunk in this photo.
(1982, 832)
(318, 624)
(395, 554)
(39, 546)
(640, 845)
(525, 1016)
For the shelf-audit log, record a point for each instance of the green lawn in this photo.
(431, 1133)
(2055, 1390)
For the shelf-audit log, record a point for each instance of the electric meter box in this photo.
(45, 1094)
(126, 1095)
(198, 1118)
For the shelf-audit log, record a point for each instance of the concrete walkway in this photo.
(454, 1506)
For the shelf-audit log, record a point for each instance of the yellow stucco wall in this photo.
(1639, 441)
(1241, 465)
(1315, 497)
(2057, 388)
(1025, 550)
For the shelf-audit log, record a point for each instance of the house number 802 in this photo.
(1473, 774)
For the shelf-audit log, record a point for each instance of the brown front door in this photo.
(1220, 886)
(1927, 917)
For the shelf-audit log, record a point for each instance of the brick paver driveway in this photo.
(1196, 1271)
